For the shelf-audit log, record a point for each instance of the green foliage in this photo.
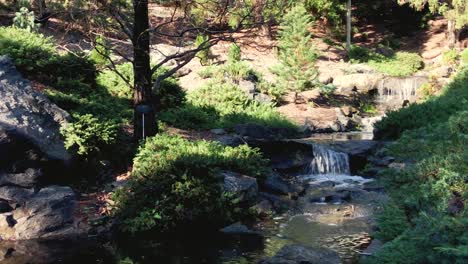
(88, 135)
(222, 105)
(333, 10)
(169, 94)
(455, 11)
(297, 55)
(399, 64)
(274, 91)
(234, 54)
(201, 42)
(426, 222)
(450, 57)
(36, 57)
(235, 71)
(25, 20)
(327, 89)
(100, 54)
(393, 222)
(175, 183)
(464, 56)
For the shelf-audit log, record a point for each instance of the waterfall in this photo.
(327, 161)
(395, 91)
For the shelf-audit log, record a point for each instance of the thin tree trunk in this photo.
(348, 25)
(144, 116)
(451, 34)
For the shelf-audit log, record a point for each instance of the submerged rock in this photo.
(295, 254)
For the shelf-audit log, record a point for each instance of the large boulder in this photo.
(296, 254)
(47, 213)
(30, 113)
(357, 82)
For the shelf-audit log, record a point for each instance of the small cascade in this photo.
(327, 161)
(394, 92)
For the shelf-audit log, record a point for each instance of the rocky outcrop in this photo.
(357, 83)
(32, 153)
(29, 209)
(30, 113)
(294, 254)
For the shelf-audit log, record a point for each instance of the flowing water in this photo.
(394, 92)
(334, 212)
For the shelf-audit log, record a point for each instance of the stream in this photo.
(335, 211)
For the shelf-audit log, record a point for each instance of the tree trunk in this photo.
(451, 34)
(348, 25)
(144, 117)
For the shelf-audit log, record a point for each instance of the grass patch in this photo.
(400, 64)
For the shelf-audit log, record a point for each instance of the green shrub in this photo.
(401, 64)
(274, 91)
(450, 57)
(175, 183)
(357, 54)
(88, 135)
(234, 54)
(36, 57)
(464, 56)
(224, 105)
(25, 20)
(429, 194)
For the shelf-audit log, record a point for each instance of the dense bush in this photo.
(219, 104)
(88, 135)
(175, 183)
(36, 56)
(437, 109)
(427, 221)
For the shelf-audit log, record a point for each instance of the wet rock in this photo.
(237, 229)
(295, 254)
(263, 208)
(245, 187)
(275, 184)
(382, 161)
(49, 213)
(279, 203)
(372, 249)
(30, 113)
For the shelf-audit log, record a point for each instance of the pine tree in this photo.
(297, 55)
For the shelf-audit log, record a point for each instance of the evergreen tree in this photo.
(297, 55)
